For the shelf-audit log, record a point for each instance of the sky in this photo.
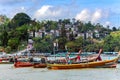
(105, 12)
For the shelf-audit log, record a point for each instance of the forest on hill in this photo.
(72, 35)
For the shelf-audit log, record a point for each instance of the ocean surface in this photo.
(8, 72)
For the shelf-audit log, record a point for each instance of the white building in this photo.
(89, 34)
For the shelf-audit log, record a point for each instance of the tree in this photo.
(75, 45)
(13, 43)
(4, 38)
(71, 45)
(22, 32)
(79, 43)
(89, 26)
(80, 25)
(63, 32)
(42, 45)
(62, 42)
(115, 41)
(114, 29)
(8, 49)
(63, 38)
(4, 22)
(107, 43)
(20, 19)
(66, 21)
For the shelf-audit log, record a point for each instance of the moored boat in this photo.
(105, 63)
(22, 64)
(26, 62)
(96, 64)
(6, 62)
(43, 62)
(40, 65)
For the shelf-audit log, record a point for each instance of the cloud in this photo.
(47, 12)
(83, 15)
(42, 10)
(93, 16)
(97, 15)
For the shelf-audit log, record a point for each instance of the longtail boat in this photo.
(63, 61)
(102, 64)
(28, 63)
(6, 62)
(40, 65)
(96, 64)
(22, 64)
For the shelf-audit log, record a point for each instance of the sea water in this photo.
(8, 72)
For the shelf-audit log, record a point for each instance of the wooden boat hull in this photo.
(96, 64)
(22, 64)
(6, 62)
(40, 65)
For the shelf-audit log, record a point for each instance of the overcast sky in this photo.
(106, 12)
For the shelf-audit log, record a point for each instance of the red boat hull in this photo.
(40, 65)
(22, 64)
